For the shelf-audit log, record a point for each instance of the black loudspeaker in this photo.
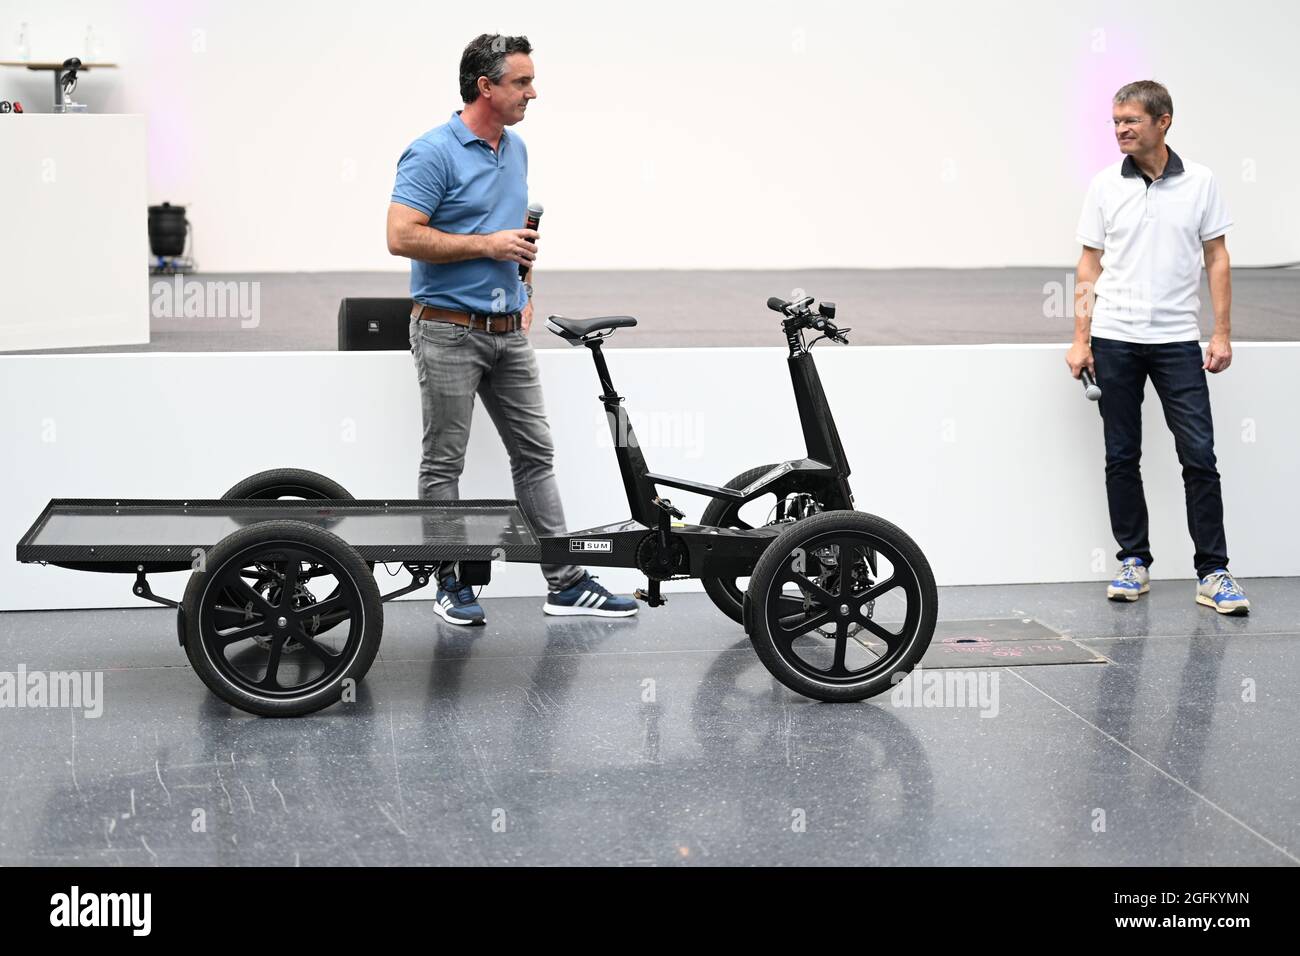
(167, 230)
(374, 325)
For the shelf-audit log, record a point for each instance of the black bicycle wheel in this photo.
(867, 606)
(224, 614)
(728, 594)
(288, 483)
(280, 483)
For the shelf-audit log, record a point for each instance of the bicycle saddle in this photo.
(574, 331)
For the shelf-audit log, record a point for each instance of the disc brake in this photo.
(270, 590)
(828, 561)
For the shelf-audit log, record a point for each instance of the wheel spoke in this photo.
(325, 622)
(224, 616)
(841, 647)
(889, 637)
(271, 680)
(225, 638)
(873, 592)
(818, 594)
(788, 628)
(330, 606)
(328, 613)
(789, 604)
(289, 590)
(241, 591)
(846, 569)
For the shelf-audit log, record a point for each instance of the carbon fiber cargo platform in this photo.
(119, 532)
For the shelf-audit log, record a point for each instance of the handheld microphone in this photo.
(532, 222)
(1090, 389)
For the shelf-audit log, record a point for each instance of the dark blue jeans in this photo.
(1175, 370)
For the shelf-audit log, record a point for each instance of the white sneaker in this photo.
(1219, 591)
(1130, 582)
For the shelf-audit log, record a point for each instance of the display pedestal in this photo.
(76, 231)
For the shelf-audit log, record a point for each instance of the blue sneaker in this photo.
(588, 597)
(455, 602)
(1219, 591)
(1130, 582)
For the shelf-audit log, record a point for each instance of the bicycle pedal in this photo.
(641, 595)
(666, 505)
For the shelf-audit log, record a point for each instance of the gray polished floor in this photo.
(662, 740)
(675, 309)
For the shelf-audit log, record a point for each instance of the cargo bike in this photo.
(283, 612)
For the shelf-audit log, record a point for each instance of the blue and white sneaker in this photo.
(588, 597)
(455, 602)
(1130, 582)
(1219, 591)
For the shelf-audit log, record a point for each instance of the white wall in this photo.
(691, 135)
(74, 238)
(988, 456)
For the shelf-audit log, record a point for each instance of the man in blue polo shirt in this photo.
(457, 212)
(1147, 225)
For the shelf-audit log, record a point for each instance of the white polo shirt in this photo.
(1150, 234)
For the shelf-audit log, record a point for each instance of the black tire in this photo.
(774, 627)
(213, 628)
(277, 483)
(288, 483)
(728, 594)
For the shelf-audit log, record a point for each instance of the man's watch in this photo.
(528, 287)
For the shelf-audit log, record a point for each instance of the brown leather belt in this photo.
(494, 322)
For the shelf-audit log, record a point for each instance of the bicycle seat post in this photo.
(608, 395)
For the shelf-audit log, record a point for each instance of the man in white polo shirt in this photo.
(1147, 225)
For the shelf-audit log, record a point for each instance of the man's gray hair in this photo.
(486, 56)
(1153, 96)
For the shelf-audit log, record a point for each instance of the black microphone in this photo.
(532, 222)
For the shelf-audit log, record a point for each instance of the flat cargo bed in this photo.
(106, 534)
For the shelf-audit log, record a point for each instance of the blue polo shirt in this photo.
(466, 188)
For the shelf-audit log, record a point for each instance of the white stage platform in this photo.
(988, 455)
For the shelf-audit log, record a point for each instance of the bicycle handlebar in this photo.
(821, 321)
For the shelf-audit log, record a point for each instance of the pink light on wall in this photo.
(1114, 53)
(169, 56)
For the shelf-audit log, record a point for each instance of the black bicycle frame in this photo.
(822, 473)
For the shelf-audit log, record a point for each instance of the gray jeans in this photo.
(453, 363)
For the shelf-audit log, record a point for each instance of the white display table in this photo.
(75, 242)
